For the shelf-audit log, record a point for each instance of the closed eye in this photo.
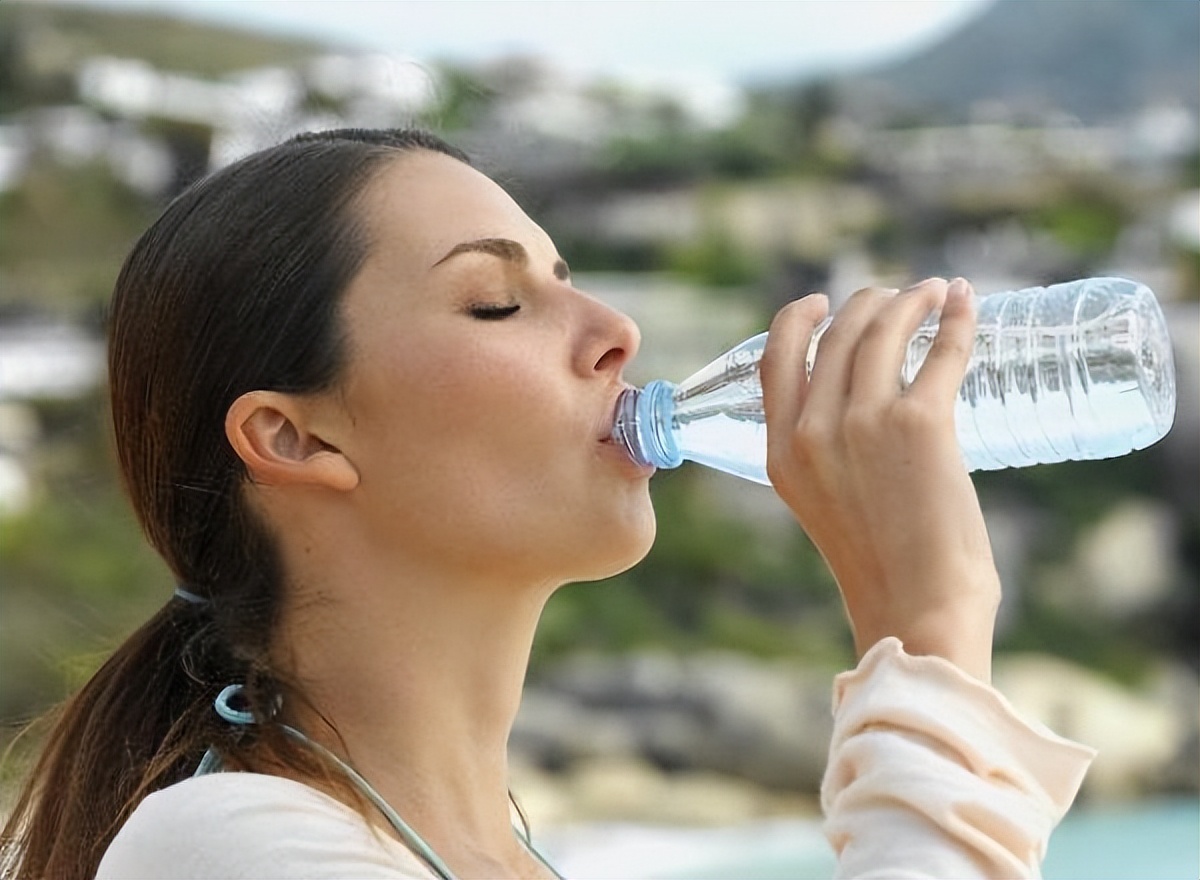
(492, 311)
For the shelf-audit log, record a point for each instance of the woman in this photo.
(363, 414)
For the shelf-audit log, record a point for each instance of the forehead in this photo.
(424, 203)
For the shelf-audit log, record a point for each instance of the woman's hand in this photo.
(873, 471)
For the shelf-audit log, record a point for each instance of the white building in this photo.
(253, 109)
(37, 362)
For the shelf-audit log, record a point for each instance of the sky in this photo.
(738, 41)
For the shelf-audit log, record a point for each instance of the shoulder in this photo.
(237, 825)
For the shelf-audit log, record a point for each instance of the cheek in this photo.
(493, 407)
(487, 456)
(468, 426)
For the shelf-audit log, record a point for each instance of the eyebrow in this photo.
(504, 248)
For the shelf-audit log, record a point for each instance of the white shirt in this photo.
(931, 774)
(248, 825)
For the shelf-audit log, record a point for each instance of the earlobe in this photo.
(268, 432)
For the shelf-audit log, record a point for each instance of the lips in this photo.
(609, 423)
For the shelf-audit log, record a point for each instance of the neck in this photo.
(422, 678)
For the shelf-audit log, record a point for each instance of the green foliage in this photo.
(107, 563)
(1190, 171)
(589, 254)
(75, 570)
(1077, 494)
(10, 64)
(663, 160)
(1070, 497)
(64, 231)
(1189, 269)
(612, 615)
(711, 580)
(740, 153)
(779, 133)
(461, 100)
(715, 260)
(1086, 223)
(1091, 640)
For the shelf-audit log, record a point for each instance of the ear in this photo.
(268, 431)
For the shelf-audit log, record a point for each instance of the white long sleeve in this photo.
(932, 774)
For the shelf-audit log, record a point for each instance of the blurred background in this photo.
(698, 164)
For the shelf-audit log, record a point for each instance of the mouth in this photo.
(609, 423)
(612, 436)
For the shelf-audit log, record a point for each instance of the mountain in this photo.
(1093, 59)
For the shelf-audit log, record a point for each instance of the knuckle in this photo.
(860, 420)
(881, 326)
(810, 440)
(806, 309)
(912, 418)
(802, 457)
(766, 366)
(777, 471)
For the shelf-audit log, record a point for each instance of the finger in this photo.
(831, 375)
(942, 372)
(782, 369)
(879, 358)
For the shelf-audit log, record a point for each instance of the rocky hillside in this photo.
(1092, 60)
(42, 44)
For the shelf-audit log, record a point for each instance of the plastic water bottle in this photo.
(1081, 370)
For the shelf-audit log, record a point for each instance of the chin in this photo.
(620, 552)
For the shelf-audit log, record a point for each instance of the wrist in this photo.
(962, 635)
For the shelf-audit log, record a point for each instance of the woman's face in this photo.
(480, 389)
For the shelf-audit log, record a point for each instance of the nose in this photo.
(610, 341)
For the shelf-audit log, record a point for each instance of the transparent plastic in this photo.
(1081, 370)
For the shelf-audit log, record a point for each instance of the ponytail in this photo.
(141, 723)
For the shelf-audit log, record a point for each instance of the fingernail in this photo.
(934, 279)
(959, 287)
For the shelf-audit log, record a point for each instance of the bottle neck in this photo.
(643, 425)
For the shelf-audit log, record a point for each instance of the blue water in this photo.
(1159, 841)
(1149, 841)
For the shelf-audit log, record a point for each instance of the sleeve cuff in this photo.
(931, 696)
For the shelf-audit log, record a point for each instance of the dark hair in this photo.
(236, 287)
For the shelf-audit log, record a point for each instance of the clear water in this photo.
(718, 414)
(1068, 372)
